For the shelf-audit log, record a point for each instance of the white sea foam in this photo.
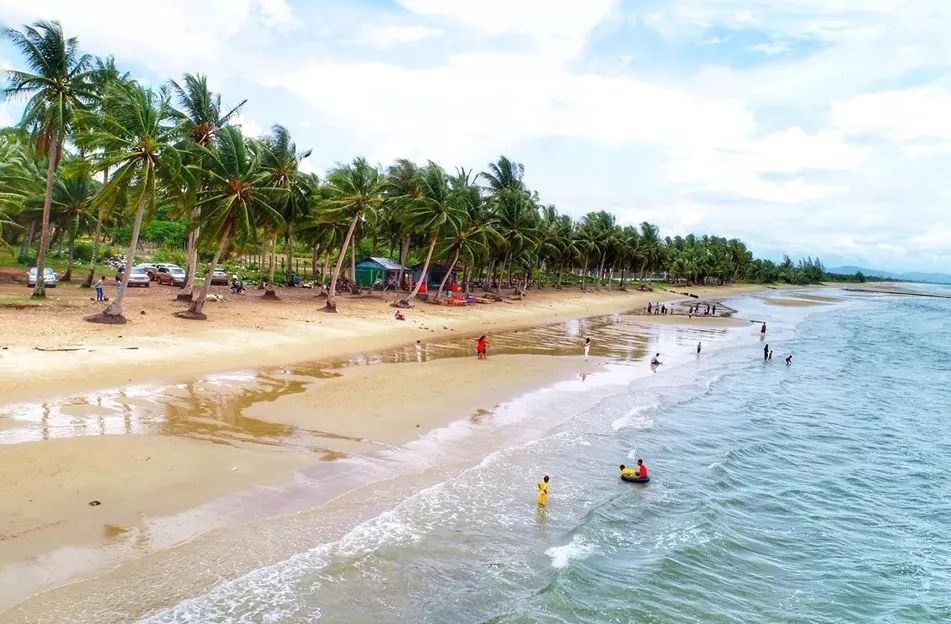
(577, 548)
(636, 418)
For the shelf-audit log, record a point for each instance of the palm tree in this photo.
(236, 200)
(71, 207)
(20, 179)
(401, 194)
(352, 191)
(200, 116)
(470, 234)
(281, 160)
(103, 73)
(137, 140)
(515, 211)
(440, 210)
(57, 88)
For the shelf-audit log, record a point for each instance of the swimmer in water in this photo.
(543, 492)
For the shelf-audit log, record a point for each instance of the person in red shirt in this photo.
(641, 469)
(481, 345)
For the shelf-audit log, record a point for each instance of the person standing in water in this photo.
(698, 348)
(587, 348)
(762, 330)
(766, 352)
(770, 358)
(655, 361)
(789, 359)
(481, 345)
(543, 492)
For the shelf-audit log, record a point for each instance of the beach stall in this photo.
(378, 273)
(434, 275)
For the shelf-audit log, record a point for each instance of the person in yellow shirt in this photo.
(628, 472)
(543, 492)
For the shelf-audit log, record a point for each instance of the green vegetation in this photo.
(101, 165)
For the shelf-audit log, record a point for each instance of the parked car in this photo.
(151, 269)
(49, 278)
(139, 277)
(219, 278)
(174, 276)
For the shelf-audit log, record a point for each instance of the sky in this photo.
(804, 127)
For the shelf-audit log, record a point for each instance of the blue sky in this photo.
(805, 127)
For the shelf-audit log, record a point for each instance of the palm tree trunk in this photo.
(68, 276)
(27, 239)
(353, 266)
(623, 273)
(94, 256)
(445, 277)
(423, 277)
(114, 312)
(584, 274)
(195, 310)
(40, 289)
(600, 282)
(289, 252)
(191, 258)
(313, 262)
(332, 291)
(404, 257)
(269, 291)
(561, 273)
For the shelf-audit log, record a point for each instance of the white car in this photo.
(139, 277)
(49, 278)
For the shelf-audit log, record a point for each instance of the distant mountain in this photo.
(915, 276)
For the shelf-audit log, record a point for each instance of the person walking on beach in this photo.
(543, 492)
(698, 348)
(100, 285)
(650, 307)
(587, 348)
(766, 352)
(481, 345)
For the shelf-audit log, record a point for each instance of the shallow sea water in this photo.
(812, 493)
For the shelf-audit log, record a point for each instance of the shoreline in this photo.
(76, 356)
(213, 497)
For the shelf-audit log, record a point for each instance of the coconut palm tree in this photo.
(135, 137)
(353, 190)
(472, 232)
(281, 160)
(237, 198)
(21, 178)
(440, 210)
(401, 193)
(200, 116)
(57, 85)
(103, 73)
(71, 207)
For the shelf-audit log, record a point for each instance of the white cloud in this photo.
(249, 127)
(385, 37)
(772, 48)
(852, 130)
(897, 115)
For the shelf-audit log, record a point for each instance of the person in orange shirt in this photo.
(481, 345)
(641, 469)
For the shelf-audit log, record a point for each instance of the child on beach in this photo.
(100, 295)
(481, 345)
(587, 347)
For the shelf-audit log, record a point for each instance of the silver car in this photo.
(49, 278)
(139, 277)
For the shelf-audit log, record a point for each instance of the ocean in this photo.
(818, 492)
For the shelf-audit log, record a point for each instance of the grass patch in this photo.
(17, 302)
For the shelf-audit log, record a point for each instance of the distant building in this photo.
(378, 273)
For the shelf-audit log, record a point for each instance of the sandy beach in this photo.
(293, 422)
